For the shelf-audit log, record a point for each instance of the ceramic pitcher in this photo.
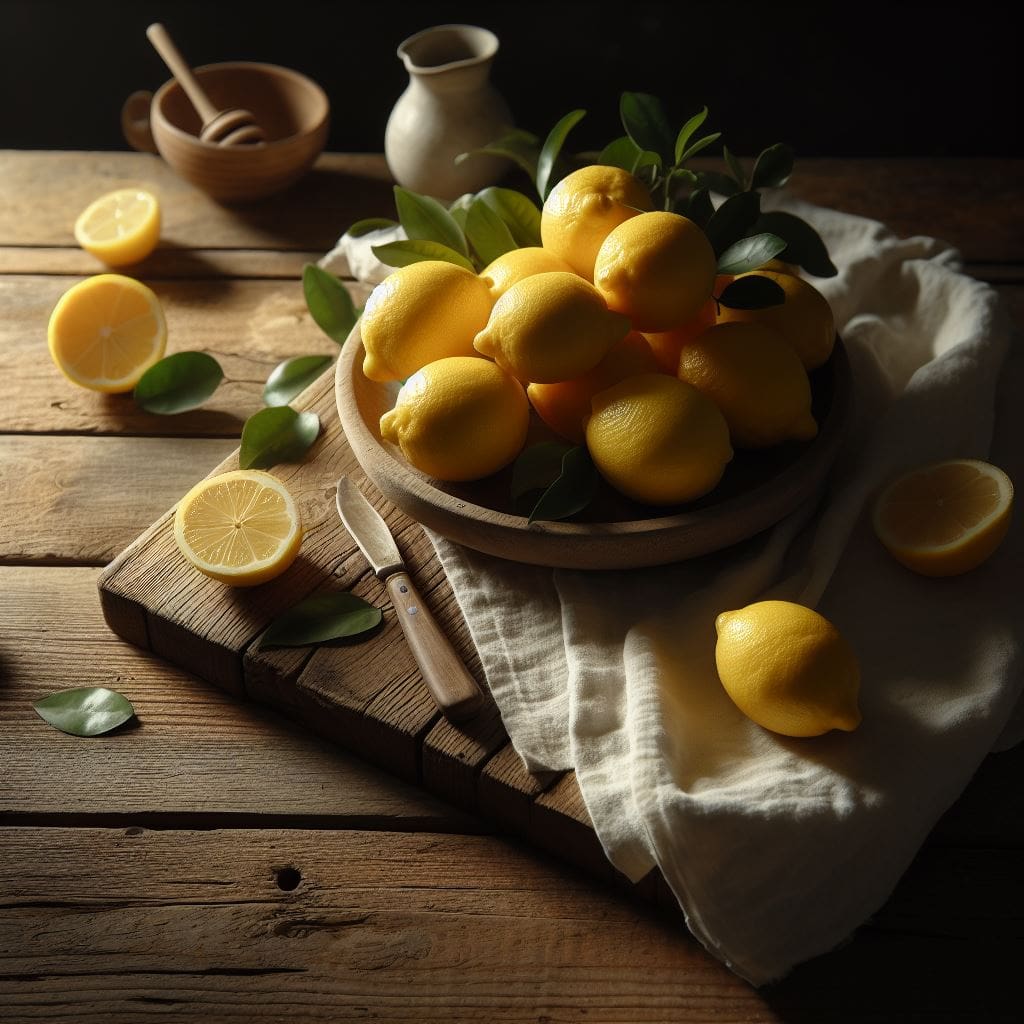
(448, 108)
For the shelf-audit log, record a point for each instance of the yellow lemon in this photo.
(804, 319)
(565, 405)
(945, 519)
(550, 327)
(582, 209)
(657, 268)
(106, 331)
(788, 668)
(657, 440)
(241, 528)
(667, 345)
(513, 266)
(120, 227)
(459, 418)
(421, 313)
(756, 379)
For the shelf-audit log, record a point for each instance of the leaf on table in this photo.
(329, 303)
(277, 434)
(293, 376)
(85, 710)
(321, 618)
(178, 383)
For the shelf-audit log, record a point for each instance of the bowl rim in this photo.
(179, 133)
(422, 499)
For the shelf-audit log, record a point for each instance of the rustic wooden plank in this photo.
(248, 326)
(193, 752)
(73, 500)
(401, 927)
(507, 790)
(561, 824)
(165, 262)
(46, 191)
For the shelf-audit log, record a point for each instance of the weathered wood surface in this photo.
(401, 912)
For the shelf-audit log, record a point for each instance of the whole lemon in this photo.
(788, 668)
(420, 313)
(756, 379)
(658, 268)
(657, 440)
(459, 418)
(584, 207)
(565, 405)
(667, 345)
(550, 327)
(804, 319)
(511, 267)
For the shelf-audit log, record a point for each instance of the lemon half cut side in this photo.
(241, 527)
(121, 227)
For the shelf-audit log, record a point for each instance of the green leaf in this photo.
(329, 303)
(733, 220)
(750, 253)
(752, 292)
(715, 181)
(459, 209)
(773, 168)
(644, 120)
(687, 131)
(321, 618)
(537, 467)
(699, 207)
(368, 224)
(803, 244)
(519, 213)
(521, 147)
(551, 149)
(572, 491)
(423, 217)
(622, 152)
(85, 711)
(178, 383)
(735, 167)
(488, 233)
(293, 376)
(700, 144)
(278, 434)
(401, 254)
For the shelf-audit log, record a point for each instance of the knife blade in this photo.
(451, 684)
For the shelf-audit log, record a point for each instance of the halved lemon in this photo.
(946, 518)
(106, 331)
(121, 227)
(241, 527)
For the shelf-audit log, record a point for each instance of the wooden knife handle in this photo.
(451, 683)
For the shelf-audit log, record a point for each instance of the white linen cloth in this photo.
(777, 848)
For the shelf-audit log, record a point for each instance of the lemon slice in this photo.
(241, 527)
(121, 227)
(106, 331)
(946, 518)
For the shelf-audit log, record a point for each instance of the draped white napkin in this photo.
(776, 848)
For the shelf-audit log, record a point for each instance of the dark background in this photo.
(851, 79)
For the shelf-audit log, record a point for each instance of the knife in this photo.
(449, 681)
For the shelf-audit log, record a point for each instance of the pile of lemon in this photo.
(611, 332)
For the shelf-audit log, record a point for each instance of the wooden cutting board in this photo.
(366, 695)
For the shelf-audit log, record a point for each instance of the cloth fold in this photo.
(777, 848)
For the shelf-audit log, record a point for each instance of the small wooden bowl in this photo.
(292, 109)
(757, 490)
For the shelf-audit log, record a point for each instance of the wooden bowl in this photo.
(292, 109)
(757, 490)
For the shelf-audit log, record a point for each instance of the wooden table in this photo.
(216, 862)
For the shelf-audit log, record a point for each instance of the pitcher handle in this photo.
(135, 121)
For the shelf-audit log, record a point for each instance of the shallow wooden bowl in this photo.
(292, 109)
(757, 490)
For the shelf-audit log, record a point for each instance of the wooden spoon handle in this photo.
(450, 682)
(164, 45)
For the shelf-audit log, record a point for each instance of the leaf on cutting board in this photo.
(277, 434)
(321, 618)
